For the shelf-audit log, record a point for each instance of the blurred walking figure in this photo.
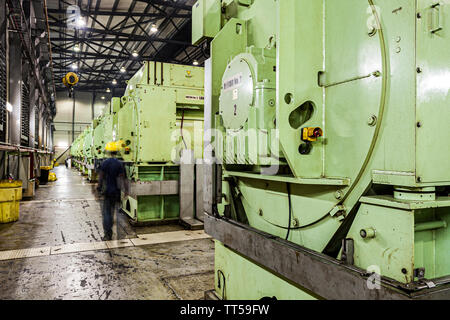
(111, 179)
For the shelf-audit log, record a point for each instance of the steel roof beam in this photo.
(119, 14)
(130, 37)
(171, 4)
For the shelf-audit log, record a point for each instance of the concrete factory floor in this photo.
(67, 212)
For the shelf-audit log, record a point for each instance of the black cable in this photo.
(307, 225)
(290, 209)
(181, 130)
(219, 272)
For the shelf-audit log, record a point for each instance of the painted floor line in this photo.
(58, 200)
(153, 238)
(62, 185)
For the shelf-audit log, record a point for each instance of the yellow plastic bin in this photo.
(10, 196)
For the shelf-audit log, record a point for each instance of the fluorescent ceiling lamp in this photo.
(81, 23)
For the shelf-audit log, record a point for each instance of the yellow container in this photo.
(52, 177)
(10, 196)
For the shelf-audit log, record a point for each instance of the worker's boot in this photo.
(107, 237)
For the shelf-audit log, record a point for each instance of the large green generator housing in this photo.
(332, 118)
(98, 139)
(77, 152)
(160, 115)
(105, 128)
(87, 157)
(88, 149)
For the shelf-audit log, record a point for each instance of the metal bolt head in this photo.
(372, 121)
(376, 74)
(367, 233)
(338, 194)
(372, 31)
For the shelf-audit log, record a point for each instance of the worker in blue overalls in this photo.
(111, 180)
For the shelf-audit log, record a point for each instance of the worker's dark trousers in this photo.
(109, 210)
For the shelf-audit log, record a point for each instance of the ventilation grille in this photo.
(2, 93)
(36, 126)
(25, 114)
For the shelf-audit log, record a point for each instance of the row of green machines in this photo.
(158, 124)
(332, 130)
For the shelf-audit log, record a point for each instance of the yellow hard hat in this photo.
(112, 146)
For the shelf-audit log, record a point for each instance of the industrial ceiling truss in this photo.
(106, 41)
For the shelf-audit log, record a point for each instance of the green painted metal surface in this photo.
(88, 149)
(154, 208)
(99, 138)
(208, 27)
(237, 278)
(372, 76)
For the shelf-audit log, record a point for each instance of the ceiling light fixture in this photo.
(135, 54)
(114, 81)
(74, 66)
(103, 97)
(108, 90)
(81, 23)
(123, 70)
(76, 48)
(195, 63)
(154, 28)
(9, 107)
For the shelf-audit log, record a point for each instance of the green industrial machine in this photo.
(87, 156)
(77, 151)
(105, 127)
(110, 121)
(94, 148)
(99, 137)
(332, 128)
(160, 118)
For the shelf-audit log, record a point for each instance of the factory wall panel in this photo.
(83, 117)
